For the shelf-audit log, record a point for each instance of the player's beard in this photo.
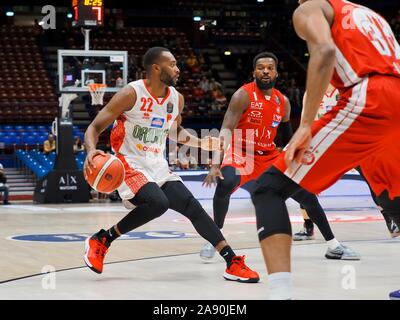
(166, 79)
(264, 86)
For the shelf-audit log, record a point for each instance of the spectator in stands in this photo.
(198, 92)
(3, 186)
(205, 84)
(183, 164)
(50, 144)
(202, 63)
(78, 145)
(220, 102)
(193, 163)
(173, 157)
(192, 62)
(214, 85)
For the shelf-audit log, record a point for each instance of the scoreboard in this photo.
(88, 13)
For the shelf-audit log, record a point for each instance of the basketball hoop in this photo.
(97, 91)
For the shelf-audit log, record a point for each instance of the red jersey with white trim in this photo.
(261, 119)
(365, 44)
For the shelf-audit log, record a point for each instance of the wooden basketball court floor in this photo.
(42, 247)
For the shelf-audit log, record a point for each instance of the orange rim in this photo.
(96, 86)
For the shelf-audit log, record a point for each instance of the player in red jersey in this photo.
(330, 99)
(354, 48)
(255, 113)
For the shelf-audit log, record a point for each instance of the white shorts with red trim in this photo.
(139, 172)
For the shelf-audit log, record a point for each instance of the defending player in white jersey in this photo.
(144, 113)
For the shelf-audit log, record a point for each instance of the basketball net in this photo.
(97, 91)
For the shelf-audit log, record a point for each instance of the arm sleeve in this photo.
(286, 132)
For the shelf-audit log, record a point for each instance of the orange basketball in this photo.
(108, 174)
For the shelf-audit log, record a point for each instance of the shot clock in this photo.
(88, 13)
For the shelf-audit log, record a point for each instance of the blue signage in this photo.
(79, 237)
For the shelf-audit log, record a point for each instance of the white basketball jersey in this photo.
(141, 133)
(328, 102)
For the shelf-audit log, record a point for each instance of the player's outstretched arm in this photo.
(122, 101)
(181, 135)
(237, 106)
(312, 23)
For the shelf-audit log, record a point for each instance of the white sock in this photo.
(280, 286)
(333, 244)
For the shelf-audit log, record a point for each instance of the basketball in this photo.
(108, 174)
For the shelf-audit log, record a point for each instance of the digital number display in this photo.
(88, 13)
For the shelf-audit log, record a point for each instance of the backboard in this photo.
(78, 68)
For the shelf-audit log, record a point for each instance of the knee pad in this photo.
(231, 180)
(227, 186)
(271, 213)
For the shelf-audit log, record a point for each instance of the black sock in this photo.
(110, 235)
(308, 224)
(228, 254)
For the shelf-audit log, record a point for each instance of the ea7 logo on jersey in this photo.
(276, 120)
(157, 122)
(256, 105)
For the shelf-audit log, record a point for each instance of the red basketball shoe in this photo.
(96, 248)
(238, 271)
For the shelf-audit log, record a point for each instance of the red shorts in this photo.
(363, 129)
(249, 167)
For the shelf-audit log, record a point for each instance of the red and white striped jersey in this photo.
(365, 44)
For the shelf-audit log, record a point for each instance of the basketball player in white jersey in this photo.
(330, 99)
(144, 113)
